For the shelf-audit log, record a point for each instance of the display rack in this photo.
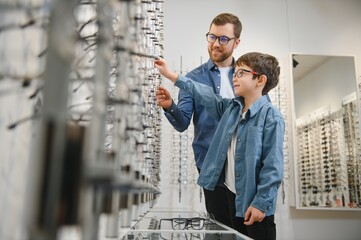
(96, 123)
(328, 160)
(279, 96)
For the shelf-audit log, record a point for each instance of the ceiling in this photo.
(306, 64)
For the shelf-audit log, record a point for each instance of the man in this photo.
(223, 37)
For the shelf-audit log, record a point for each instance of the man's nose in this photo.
(216, 43)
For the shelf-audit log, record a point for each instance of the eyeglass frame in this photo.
(235, 74)
(219, 39)
(188, 222)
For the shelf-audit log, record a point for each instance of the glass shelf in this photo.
(148, 227)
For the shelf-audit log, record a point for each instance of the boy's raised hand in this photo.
(162, 66)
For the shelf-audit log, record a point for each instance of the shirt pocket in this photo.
(254, 141)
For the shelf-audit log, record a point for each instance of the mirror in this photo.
(327, 132)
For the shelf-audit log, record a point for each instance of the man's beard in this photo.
(221, 56)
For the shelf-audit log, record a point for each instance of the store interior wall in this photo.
(280, 28)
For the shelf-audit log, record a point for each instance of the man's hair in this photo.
(224, 18)
(263, 64)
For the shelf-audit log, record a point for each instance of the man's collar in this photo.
(211, 65)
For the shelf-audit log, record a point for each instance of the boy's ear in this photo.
(262, 80)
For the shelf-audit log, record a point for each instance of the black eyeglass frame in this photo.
(225, 38)
(196, 223)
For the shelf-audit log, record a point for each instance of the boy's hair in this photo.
(263, 64)
(224, 18)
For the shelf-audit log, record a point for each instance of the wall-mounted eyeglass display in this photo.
(279, 97)
(181, 172)
(89, 69)
(327, 135)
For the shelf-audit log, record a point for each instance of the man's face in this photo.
(217, 52)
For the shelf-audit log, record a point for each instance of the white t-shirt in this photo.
(230, 180)
(226, 90)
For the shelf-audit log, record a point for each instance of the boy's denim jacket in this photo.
(259, 147)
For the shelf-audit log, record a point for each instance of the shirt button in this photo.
(218, 87)
(219, 75)
(238, 193)
(172, 110)
(239, 140)
(238, 175)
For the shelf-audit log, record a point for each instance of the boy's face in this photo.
(243, 81)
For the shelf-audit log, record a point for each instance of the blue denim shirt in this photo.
(259, 147)
(205, 126)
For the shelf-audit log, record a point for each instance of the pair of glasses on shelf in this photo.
(195, 223)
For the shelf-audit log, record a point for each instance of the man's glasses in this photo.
(223, 40)
(240, 72)
(195, 223)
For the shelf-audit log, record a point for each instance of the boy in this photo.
(248, 141)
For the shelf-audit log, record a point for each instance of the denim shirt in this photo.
(205, 126)
(259, 147)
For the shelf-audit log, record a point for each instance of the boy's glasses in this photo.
(223, 40)
(241, 71)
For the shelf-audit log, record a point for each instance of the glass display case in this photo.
(164, 224)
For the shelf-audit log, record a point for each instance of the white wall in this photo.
(278, 27)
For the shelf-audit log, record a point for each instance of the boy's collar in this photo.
(256, 106)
